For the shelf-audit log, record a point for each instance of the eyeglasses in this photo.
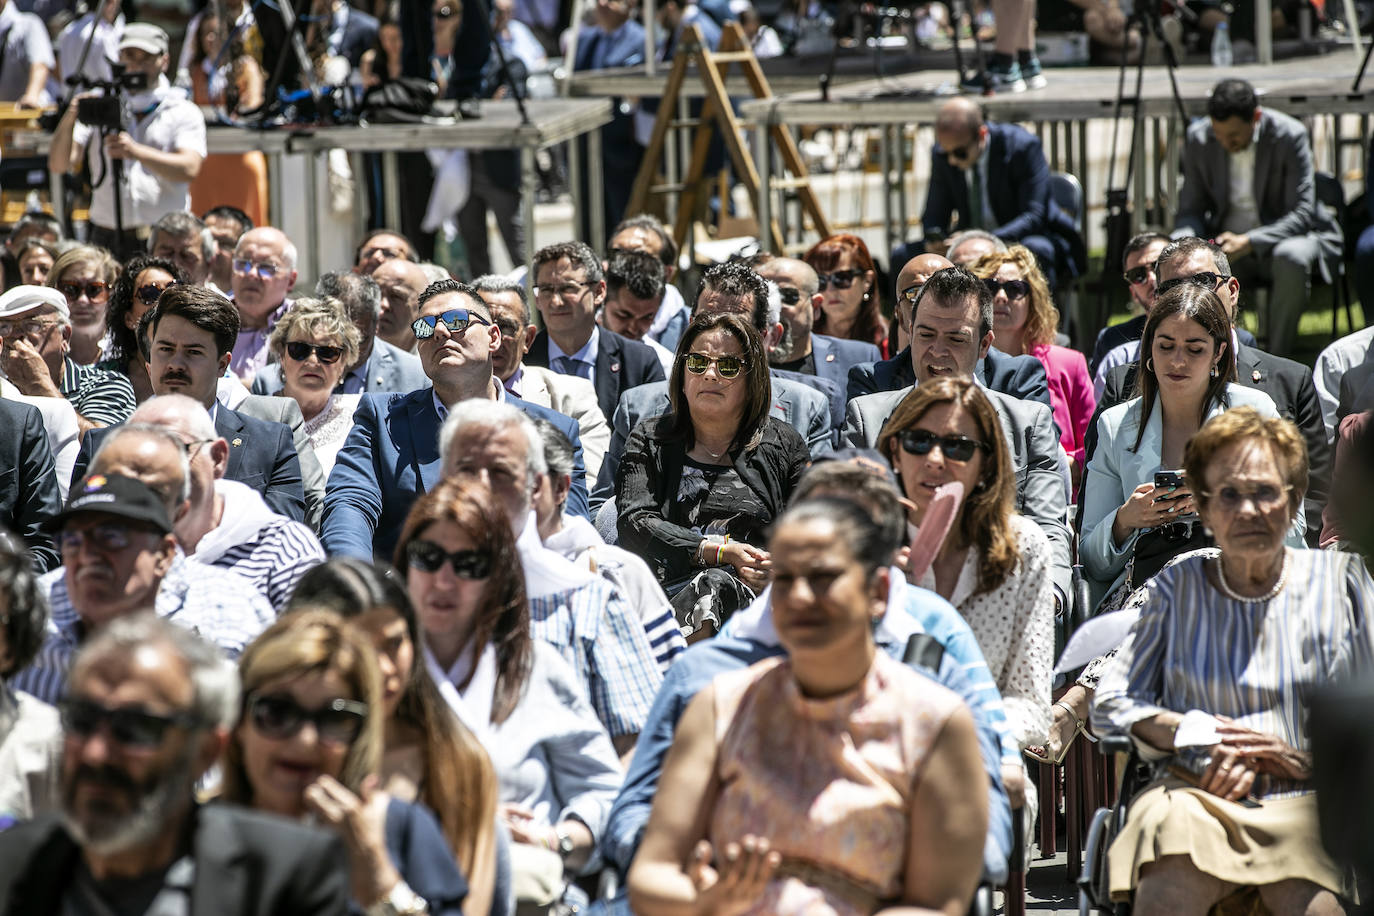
(447, 11)
(843, 279)
(956, 448)
(194, 446)
(95, 290)
(388, 254)
(790, 295)
(300, 351)
(1138, 275)
(565, 292)
(30, 327)
(1015, 289)
(279, 717)
(911, 294)
(133, 728)
(1265, 497)
(962, 153)
(1206, 279)
(727, 367)
(248, 268)
(456, 320)
(150, 293)
(107, 538)
(428, 556)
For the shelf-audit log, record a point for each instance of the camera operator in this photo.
(160, 141)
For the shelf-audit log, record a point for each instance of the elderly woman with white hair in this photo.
(316, 343)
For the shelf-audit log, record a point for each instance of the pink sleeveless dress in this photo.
(828, 782)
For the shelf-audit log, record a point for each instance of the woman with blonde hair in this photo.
(1024, 322)
(309, 743)
(315, 344)
(85, 275)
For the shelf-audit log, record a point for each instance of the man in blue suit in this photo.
(995, 177)
(191, 333)
(570, 285)
(379, 366)
(800, 350)
(392, 453)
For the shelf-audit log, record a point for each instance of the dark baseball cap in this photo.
(115, 494)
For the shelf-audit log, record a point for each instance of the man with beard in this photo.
(146, 716)
(800, 350)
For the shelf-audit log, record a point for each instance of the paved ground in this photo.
(1048, 889)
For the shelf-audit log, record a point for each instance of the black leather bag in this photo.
(401, 101)
(1156, 547)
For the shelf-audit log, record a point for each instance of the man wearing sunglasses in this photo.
(1199, 262)
(994, 176)
(800, 350)
(1249, 184)
(120, 557)
(951, 335)
(264, 272)
(146, 717)
(392, 453)
(35, 336)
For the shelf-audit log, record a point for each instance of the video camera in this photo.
(107, 112)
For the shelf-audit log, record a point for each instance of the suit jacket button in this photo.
(615, 367)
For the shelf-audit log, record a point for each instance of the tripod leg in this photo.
(1364, 65)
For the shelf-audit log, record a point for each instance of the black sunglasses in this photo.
(789, 295)
(300, 351)
(456, 320)
(149, 293)
(1015, 289)
(956, 448)
(843, 279)
(95, 290)
(726, 366)
(1207, 280)
(428, 556)
(278, 716)
(1137, 275)
(130, 727)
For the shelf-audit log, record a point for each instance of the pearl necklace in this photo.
(1258, 599)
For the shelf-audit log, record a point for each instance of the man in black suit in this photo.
(191, 334)
(1019, 376)
(145, 717)
(1194, 260)
(570, 286)
(28, 483)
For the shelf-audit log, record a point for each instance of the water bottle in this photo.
(1221, 45)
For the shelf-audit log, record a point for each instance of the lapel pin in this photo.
(1255, 376)
(830, 357)
(237, 442)
(615, 367)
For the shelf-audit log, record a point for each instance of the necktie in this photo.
(975, 198)
(566, 365)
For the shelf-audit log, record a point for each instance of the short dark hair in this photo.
(667, 252)
(758, 402)
(1184, 247)
(444, 287)
(638, 271)
(26, 611)
(409, 253)
(497, 284)
(180, 224)
(224, 211)
(1232, 99)
(956, 284)
(204, 308)
(734, 278)
(1140, 243)
(359, 293)
(121, 302)
(580, 254)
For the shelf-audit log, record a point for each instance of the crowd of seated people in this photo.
(406, 594)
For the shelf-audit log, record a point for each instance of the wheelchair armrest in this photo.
(1114, 744)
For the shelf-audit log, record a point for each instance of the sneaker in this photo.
(1032, 74)
(998, 80)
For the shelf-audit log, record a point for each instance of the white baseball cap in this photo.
(23, 299)
(145, 37)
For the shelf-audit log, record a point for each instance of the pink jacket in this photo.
(1071, 394)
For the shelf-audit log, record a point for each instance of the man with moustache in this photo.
(146, 716)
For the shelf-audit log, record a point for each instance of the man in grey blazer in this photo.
(945, 336)
(380, 366)
(1248, 183)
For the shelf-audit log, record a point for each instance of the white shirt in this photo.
(104, 47)
(586, 355)
(1343, 355)
(1243, 214)
(26, 44)
(174, 125)
(665, 356)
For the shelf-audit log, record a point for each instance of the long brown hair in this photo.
(985, 518)
(1196, 303)
(759, 397)
(823, 256)
(459, 783)
(503, 619)
(1042, 318)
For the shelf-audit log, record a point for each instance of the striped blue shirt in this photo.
(1258, 663)
(600, 635)
(216, 604)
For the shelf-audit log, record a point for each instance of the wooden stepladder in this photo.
(718, 114)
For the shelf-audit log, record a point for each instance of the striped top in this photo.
(99, 395)
(1259, 663)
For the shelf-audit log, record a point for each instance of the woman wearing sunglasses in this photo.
(85, 274)
(556, 769)
(853, 307)
(994, 565)
(316, 344)
(699, 486)
(429, 755)
(1025, 320)
(134, 295)
(308, 746)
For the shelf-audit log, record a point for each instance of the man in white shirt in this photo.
(27, 55)
(108, 23)
(160, 149)
(1334, 362)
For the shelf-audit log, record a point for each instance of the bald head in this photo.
(910, 279)
(796, 272)
(960, 132)
(401, 282)
(185, 416)
(150, 454)
(959, 114)
(264, 271)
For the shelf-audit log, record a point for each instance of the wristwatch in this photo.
(402, 901)
(565, 842)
